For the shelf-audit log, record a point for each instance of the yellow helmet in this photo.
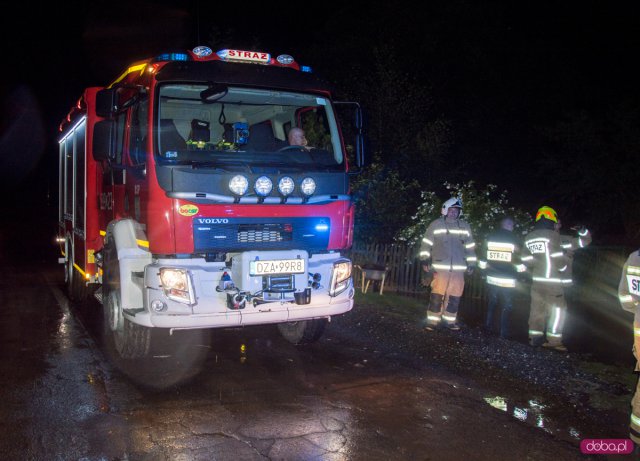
(548, 213)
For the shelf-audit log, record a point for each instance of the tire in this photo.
(77, 289)
(123, 338)
(69, 274)
(303, 331)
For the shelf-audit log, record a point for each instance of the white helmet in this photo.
(454, 202)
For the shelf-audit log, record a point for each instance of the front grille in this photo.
(246, 234)
(258, 233)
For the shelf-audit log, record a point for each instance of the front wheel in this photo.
(303, 331)
(127, 339)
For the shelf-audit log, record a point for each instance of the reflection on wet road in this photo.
(247, 394)
(536, 414)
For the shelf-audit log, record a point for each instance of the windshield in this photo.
(218, 126)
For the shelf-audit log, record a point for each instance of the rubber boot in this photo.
(452, 311)
(434, 310)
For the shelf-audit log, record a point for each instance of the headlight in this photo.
(340, 277)
(286, 185)
(308, 186)
(263, 186)
(176, 284)
(239, 185)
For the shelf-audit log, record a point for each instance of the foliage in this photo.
(315, 132)
(384, 203)
(482, 209)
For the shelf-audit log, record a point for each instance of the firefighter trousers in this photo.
(446, 290)
(634, 424)
(547, 314)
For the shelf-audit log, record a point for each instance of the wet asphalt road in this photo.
(248, 395)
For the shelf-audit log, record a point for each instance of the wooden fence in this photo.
(404, 272)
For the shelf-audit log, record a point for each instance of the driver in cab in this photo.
(296, 137)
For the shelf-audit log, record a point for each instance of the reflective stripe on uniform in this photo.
(547, 280)
(452, 267)
(449, 317)
(635, 270)
(470, 245)
(451, 231)
(499, 246)
(427, 241)
(636, 331)
(625, 298)
(554, 326)
(535, 333)
(501, 282)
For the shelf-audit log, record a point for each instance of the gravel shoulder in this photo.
(588, 395)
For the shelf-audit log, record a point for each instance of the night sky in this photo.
(496, 70)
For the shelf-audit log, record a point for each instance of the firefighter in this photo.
(629, 295)
(447, 250)
(543, 254)
(570, 243)
(500, 262)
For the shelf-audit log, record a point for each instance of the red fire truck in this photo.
(183, 206)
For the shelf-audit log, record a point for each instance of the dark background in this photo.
(542, 99)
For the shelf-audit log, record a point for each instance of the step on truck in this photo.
(183, 206)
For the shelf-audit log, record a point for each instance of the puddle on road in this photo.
(534, 413)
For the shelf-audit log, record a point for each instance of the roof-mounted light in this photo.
(172, 57)
(285, 59)
(202, 51)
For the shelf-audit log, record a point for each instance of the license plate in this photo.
(277, 266)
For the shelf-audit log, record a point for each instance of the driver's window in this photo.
(316, 129)
(137, 137)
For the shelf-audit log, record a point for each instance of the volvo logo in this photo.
(213, 221)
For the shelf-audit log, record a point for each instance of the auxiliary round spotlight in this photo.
(263, 186)
(286, 185)
(239, 184)
(308, 186)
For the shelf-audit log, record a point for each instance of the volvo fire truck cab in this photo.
(183, 206)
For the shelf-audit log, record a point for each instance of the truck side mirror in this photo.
(104, 135)
(106, 102)
(354, 126)
(112, 101)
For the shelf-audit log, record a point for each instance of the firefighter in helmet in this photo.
(542, 253)
(447, 250)
(629, 295)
